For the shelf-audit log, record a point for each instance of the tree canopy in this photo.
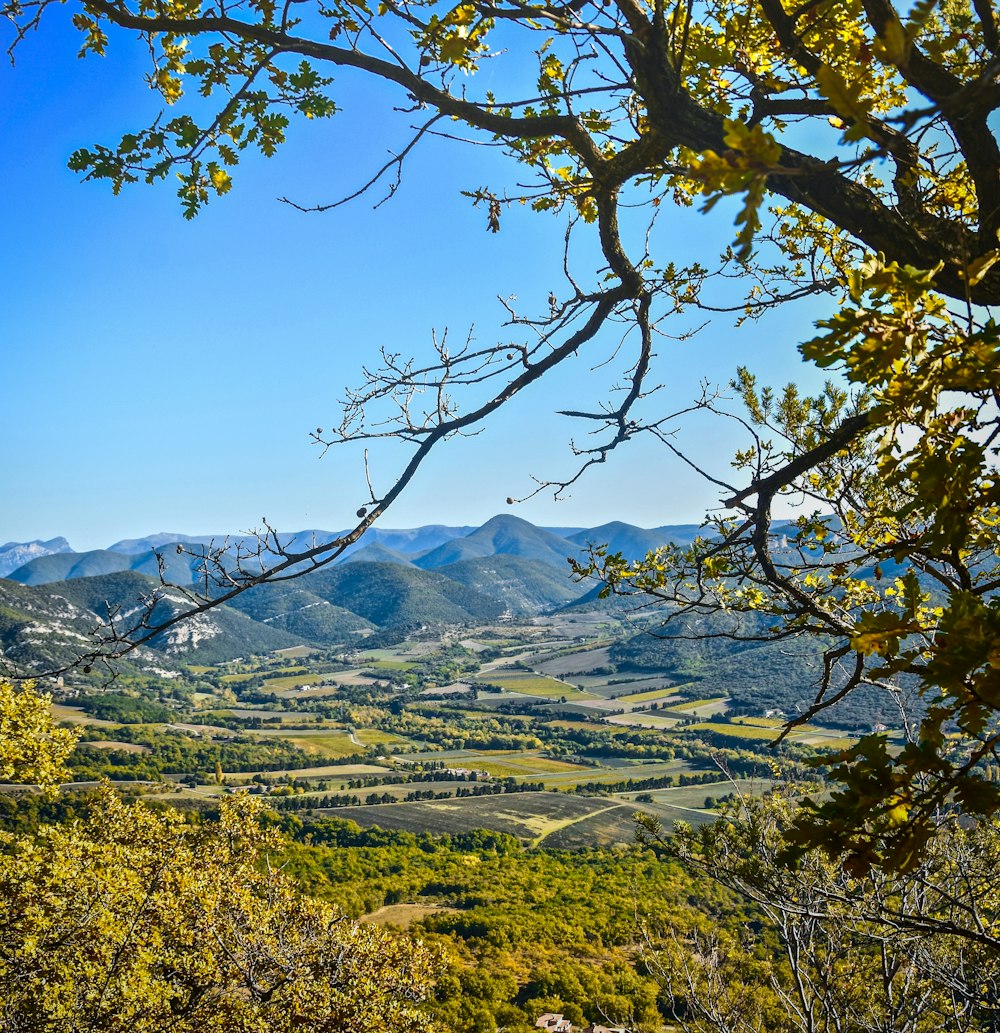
(136, 920)
(853, 140)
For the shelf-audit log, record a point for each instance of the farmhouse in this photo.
(555, 1023)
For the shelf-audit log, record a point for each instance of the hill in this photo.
(63, 565)
(635, 542)
(523, 586)
(502, 536)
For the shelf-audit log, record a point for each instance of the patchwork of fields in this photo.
(550, 676)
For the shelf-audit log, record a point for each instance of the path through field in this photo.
(572, 821)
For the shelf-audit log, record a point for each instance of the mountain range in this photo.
(51, 603)
(429, 548)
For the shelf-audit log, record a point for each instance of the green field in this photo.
(321, 744)
(735, 730)
(388, 665)
(766, 729)
(643, 719)
(376, 737)
(536, 685)
(292, 681)
(697, 704)
(76, 716)
(516, 763)
(681, 802)
(649, 697)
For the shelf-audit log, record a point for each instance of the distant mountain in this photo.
(389, 594)
(16, 554)
(293, 607)
(62, 566)
(429, 547)
(178, 568)
(417, 540)
(376, 552)
(523, 586)
(138, 546)
(635, 542)
(502, 536)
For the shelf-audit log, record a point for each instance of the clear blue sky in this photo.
(161, 375)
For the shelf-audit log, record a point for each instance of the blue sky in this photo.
(162, 375)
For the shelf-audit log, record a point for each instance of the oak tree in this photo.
(135, 919)
(853, 138)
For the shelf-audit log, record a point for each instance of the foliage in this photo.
(909, 952)
(855, 145)
(529, 924)
(138, 920)
(124, 709)
(32, 749)
(175, 752)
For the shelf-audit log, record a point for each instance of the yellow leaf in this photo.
(976, 270)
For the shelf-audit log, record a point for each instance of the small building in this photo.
(554, 1023)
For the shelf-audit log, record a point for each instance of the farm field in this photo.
(376, 737)
(701, 707)
(651, 695)
(112, 744)
(291, 681)
(607, 774)
(77, 716)
(325, 743)
(767, 729)
(574, 663)
(687, 803)
(321, 771)
(531, 817)
(644, 720)
(530, 684)
(526, 765)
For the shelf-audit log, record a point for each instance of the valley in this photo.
(462, 751)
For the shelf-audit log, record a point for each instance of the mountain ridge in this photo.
(430, 546)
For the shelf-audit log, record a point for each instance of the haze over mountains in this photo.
(429, 548)
(52, 601)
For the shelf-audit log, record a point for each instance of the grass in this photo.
(323, 744)
(647, 697)
(536, 685)
(376, 737)
(697, 704)
(402, 916)
(291, 681)
(296, 652)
